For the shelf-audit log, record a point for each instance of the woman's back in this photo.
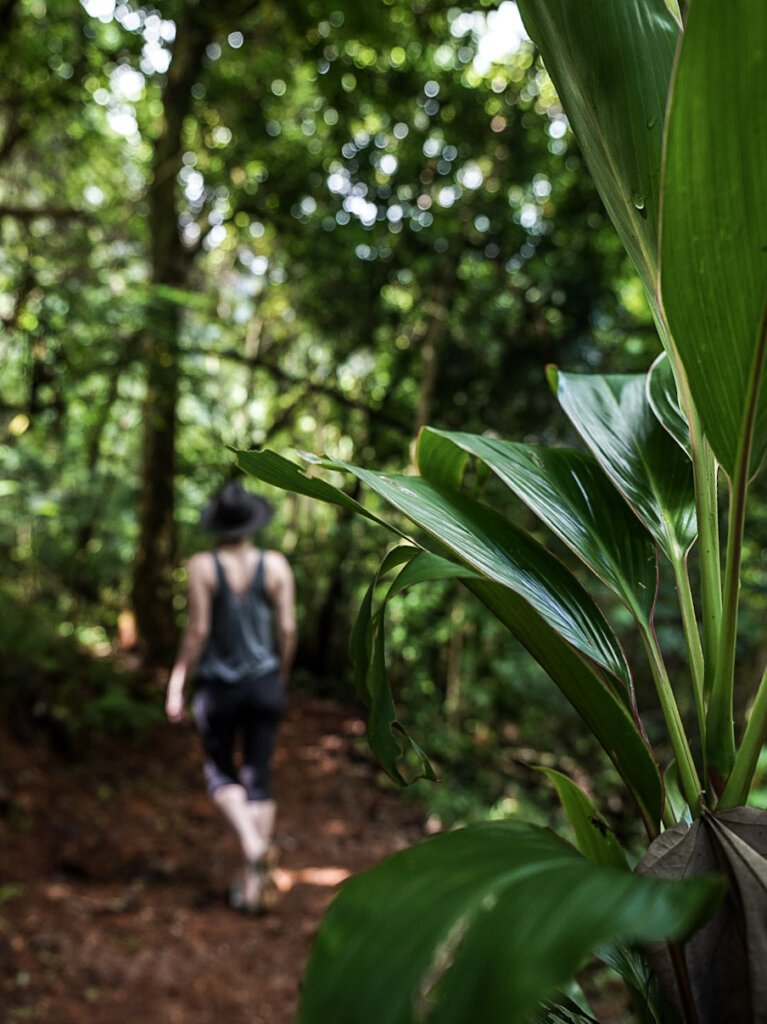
(241, 644)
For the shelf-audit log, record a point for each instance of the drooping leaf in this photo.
(614, 418)
(726, 958)
(609, 720)
(605, 712)
(428, 567)
(480, 924)
(593, 835)
(568, 491)
(280, 472)
(606, 716)
(714, 229)
(388, 738)
(611, 66)
(496, 549)
(664, 401)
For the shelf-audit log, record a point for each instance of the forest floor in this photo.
(114, 869)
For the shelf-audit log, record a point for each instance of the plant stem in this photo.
(720, 742)
(707, 511)
(709, 555)
(692, 638)
(668, 816)
(683, 983)
(736, 791)
(688, 775)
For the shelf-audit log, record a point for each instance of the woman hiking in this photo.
(239, 643)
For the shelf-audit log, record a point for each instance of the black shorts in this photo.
(246, 713)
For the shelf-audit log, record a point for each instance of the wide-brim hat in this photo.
(233, 512)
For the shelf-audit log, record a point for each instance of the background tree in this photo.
(312, 226)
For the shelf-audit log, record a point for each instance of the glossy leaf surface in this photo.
(714, 231)
(605, 711)
(614, 418)
(664, 401)
(281, 472)
(480, 924)
(506, 555)
(569, 492)
(611, 64)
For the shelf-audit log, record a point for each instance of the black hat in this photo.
(234, 513)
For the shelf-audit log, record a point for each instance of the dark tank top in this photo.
(241, 645)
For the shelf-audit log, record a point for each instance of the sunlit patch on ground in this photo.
(327, 877)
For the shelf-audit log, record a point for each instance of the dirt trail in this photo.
(114, 869)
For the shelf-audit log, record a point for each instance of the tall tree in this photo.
(170, 260)
(298, 224)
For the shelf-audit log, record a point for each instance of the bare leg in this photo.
(263, 813)
(233, 802)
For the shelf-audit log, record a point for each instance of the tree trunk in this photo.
(156, 553)
(438, 309)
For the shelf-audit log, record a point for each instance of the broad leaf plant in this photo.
(490, 922)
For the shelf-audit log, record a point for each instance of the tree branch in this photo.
(378, 413)
(57, 213)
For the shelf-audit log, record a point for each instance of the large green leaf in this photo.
(280, 472)
(496, 549)
(620, 735)
(478, 536)
(606, 715)
(611, 62)
(605, 711)
(714, 222)
(614, 418)
(569, 492)
(480, 924)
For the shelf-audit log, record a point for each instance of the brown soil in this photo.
(114, 870)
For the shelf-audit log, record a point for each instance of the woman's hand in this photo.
(175, 708)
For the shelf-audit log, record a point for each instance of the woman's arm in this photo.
(199, 602)
(281, 589)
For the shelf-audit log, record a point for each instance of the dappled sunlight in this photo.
(324, 877)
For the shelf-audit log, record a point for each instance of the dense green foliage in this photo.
(367, 228)
(320, 227)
